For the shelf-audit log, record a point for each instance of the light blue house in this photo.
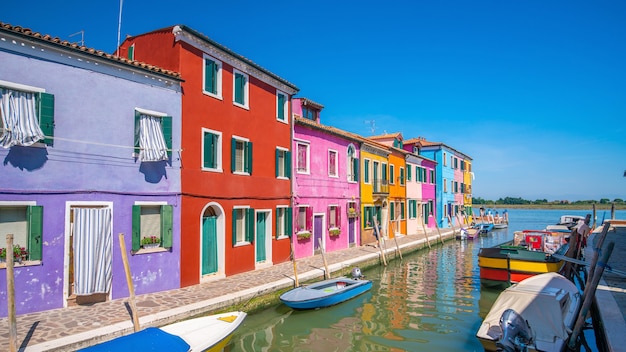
(89, 149)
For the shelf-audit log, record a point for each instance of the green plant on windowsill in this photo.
(334, 231)
(150, 241)
(303, 235)
(19, 253)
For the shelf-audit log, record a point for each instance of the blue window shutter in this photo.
(166, 122)
(136, 235)
(239, 85)
(137, 129)
(209, 76)
(281, 106)
(234, 229)
(167, 218)
(35, 232)
(45, 103)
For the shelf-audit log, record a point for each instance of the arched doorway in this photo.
(212, 242)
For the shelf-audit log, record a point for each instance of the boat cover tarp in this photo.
(147, 340)
(538, 305)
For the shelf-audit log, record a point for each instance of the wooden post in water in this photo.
(295, 266)
(588, 295)
(129, 282)
(426, 234)
(326, 271)
(612, 211)
(380, 241)
(439, 232)
(596, 252)
(11, 295)
(569, 267)
(594, 215)
(451, 225)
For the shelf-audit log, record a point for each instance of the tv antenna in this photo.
(372, 124)
(82, 36)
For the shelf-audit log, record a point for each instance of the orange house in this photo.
(236, 158)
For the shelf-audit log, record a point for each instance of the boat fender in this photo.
(356, 274)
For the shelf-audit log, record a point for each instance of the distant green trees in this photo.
(521, 201)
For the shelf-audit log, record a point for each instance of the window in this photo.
(353, 165)
(445, 160)
(392, 173)
(456, 187)
(384, 173)
(212, 77)
(402, 176)
(25, 222)
(432, 177)
(152, 223)
(241, 156)
(392, 211)
(153, 136)
(282, 106)
(366, 171)
(131, 52)
(27, 115)
(283, 163)
(309, 113)
(412, 208)
(332, 163)
(211, 150)
(304, 220)
(402, 211)
(352, 210)
(243, 226)
(302, 159)
(334, 216)
(445, 185)
(283, 222)
(408, 172)
(369, 214)
(240, 89)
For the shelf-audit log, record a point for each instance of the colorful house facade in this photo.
(374, 189)
(325, 184)
(236, 141)
(423, 174)
(90, 147)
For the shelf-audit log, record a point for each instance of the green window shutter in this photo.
(277, 224)
(137, 129)
(281, 106)
(45, 105)
(366, 172)
(131, 52)
(402, 216)
(392, 210)
(35, 232)
(355, 169)
(136, 236)
(239, 85)
(209, 76)
(289, 220)
(234, 229)
(233, 153)
(248, 162)
(401, 176)
(277, 162)
(288, 165)
(167, 219)
(250, 225)
(209, 150)
(408, 172)
(166, 122)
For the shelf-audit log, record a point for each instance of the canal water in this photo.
(431, 300)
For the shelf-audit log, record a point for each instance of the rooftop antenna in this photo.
(372, 124)
(119, 29)
(82, 36)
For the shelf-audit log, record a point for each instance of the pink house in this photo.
(325, 183)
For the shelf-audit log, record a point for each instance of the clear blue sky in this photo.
(534, 91)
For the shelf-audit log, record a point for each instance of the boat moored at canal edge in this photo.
(325, 293)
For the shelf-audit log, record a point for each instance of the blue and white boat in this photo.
(325, 293)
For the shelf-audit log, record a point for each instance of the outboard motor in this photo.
(516, 333)
(356, 274)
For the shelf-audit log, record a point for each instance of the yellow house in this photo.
(468, 176)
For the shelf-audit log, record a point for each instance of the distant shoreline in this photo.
(551, 206)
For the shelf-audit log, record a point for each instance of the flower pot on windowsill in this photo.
(151, 245)
(303, 235)
(334, 232)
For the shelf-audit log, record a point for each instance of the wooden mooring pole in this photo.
(426, 234)
(380, 242)
(326, 271)
(11, 295)
(439, 232)
(295, 266)
(129, 282)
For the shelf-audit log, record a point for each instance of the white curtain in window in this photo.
(19, 124)
(92, 250)
(151, 140)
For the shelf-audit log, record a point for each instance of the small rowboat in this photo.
(210, 333)
(325, 293)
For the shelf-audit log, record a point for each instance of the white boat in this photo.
(209, 333)
(536, 314)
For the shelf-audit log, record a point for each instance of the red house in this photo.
(236, 158)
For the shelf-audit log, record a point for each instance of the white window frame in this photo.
(241, 230)
(367, 163)
(246, 90)
(285, 118)
(281, 224)
(243, 157)
(218, 93)
(336, 164)
(283, 175)
(308, 158)
(219, 152)
(392, 174)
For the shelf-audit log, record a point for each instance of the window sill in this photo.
(3, 265)
(283, 237)
(151, 250)
(241, 244)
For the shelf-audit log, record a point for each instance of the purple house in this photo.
(326, 183)
(90, 149)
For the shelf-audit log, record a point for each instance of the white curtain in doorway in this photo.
(92, 250)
